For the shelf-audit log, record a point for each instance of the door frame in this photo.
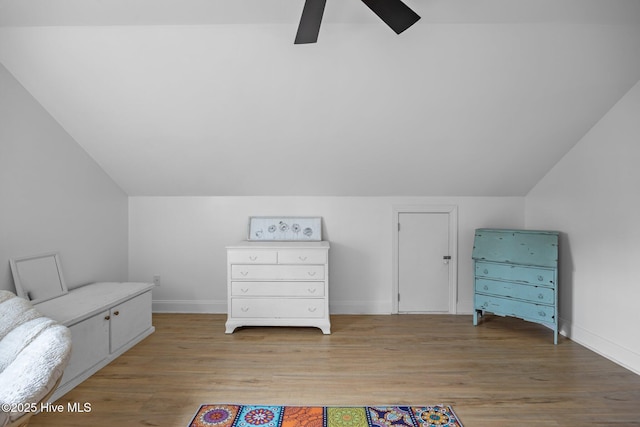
(452, 210)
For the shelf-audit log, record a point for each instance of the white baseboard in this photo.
(220, 307)
(190, 306)
(624, 357)
(360, 307)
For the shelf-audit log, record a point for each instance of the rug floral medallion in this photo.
(224, 415)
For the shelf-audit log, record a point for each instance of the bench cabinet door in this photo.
(130, 319)
(89, 344)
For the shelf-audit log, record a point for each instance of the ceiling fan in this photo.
(394, 13)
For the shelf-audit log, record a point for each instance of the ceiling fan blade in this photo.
(310, 20)
(394, 13)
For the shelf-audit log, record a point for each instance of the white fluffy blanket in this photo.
(34, 350)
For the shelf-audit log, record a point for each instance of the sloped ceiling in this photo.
(195, 97)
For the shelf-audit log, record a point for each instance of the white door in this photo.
(423, 270)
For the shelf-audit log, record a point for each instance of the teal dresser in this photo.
(516, 274)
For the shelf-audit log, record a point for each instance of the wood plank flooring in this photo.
(504, 372)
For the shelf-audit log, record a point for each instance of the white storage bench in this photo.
(105, 318)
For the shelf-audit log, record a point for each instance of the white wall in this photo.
(54, 197)
(183, 239)
(593, 196)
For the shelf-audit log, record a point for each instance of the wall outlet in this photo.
(156, 280)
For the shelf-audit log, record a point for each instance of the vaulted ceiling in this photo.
(211, 97)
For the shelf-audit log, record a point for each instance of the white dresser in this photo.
(278, 284)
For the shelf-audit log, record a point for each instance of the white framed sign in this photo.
(285, 228)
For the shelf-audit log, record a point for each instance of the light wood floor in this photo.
(504, 372)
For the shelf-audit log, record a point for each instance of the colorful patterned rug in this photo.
(324, 416)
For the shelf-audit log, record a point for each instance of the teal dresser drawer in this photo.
(531, 275)
(520, 247)
(521, 309)
(536, 294)
(516, 274)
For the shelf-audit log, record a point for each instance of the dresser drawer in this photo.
(510, 307)
(536, 294)
(277, 308)
(531, 275)
(277, 272)
(302, 256)
(277, 289)
(252, 257)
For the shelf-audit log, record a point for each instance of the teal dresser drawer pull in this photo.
(541, 296)
(486, 288)
(540, 278)
(542, 313)
(486, 271)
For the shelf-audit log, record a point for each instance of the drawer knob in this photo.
(542, 313)
(540, 296)
(312, 290)
(244, 290)
(311, 273)
(244, 309)
(253, 257)
(540, 278)
(486, 271)
(302, 258)
(107, 317)
(312, 309)
(115, 313)
(486, 288)
(244, 273)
